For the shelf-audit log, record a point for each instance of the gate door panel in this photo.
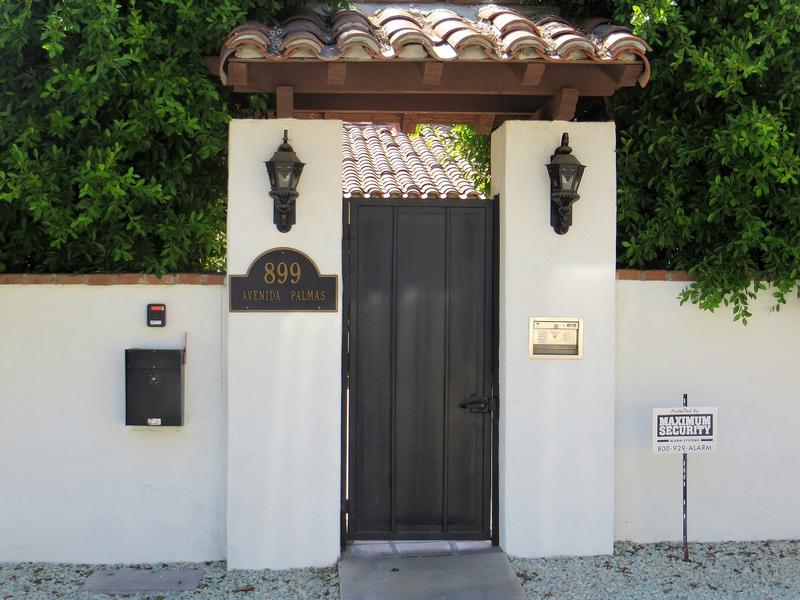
(420, 346)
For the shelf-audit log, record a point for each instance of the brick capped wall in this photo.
(653, 275)
(113, 279)
(219, 278)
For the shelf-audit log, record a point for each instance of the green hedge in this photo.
(113, 138)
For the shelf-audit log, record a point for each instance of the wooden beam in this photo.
(237, 74)
(530, 73)
(405, 77)
(284, 101)
(411, 119)
(432, 73)
(418, 103)
(485, 123)
(560, 107)
(337, 73)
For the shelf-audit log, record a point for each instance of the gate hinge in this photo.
(346, 506)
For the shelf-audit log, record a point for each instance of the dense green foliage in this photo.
(113, 138)
(466, 147)
(112, 134)
(708, 157)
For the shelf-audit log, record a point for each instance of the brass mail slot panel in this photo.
(555, 338)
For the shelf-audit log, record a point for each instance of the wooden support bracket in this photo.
(409, 122)
(560, 107)
(485, 123)
(284, 101)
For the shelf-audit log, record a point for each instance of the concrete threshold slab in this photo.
(478, 576)
(132, 581)
(388, 548)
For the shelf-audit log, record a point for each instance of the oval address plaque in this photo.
(283, 279)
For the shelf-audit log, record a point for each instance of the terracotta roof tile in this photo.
(479, 32)
(380, 161)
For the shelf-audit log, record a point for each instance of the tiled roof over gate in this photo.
(459, 33)
(443, 63)
(381, 162)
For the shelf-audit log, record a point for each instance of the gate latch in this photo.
(479, 404)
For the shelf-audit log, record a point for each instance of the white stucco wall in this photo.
(749, 489)
(77, 485)
(284, 369)
(557, 416)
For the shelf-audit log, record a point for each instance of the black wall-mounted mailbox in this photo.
(153, 387)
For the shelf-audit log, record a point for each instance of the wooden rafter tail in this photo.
(530, 74)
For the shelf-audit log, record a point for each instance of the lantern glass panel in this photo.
(568, 177)
(298, 168)
(555, 181)
(283, 175)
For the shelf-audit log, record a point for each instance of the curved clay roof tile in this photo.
(517, 42)
(300, 46)
(617, 40)
(447, 27)
(489, 11)
(305, 15)
(435, 17)
(509, 21)
(388, 14)
(498, 33)
(567, 45)
(305, 26)
(462, 39)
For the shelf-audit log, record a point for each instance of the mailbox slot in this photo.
(555, 338)
(153, 387)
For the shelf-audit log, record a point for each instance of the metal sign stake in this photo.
(685, 526)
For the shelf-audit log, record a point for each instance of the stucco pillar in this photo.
(557, 417)
(284, 368)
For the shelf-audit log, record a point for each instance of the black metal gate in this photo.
(419, 402)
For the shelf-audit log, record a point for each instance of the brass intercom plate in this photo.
(555, 338)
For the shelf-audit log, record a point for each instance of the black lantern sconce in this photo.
(565, 177)
(284, 170)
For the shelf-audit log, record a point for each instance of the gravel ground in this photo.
(39, 581)
(753, 570)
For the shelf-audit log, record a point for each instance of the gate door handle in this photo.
(479, 404)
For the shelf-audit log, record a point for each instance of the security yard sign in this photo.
(685, 430)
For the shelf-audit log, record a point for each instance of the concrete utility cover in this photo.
(131, 581)
(485, 576)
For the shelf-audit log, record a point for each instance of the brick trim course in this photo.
(653, 275)
(111, 279)
(219, 278)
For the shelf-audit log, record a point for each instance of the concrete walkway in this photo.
(455, 576)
